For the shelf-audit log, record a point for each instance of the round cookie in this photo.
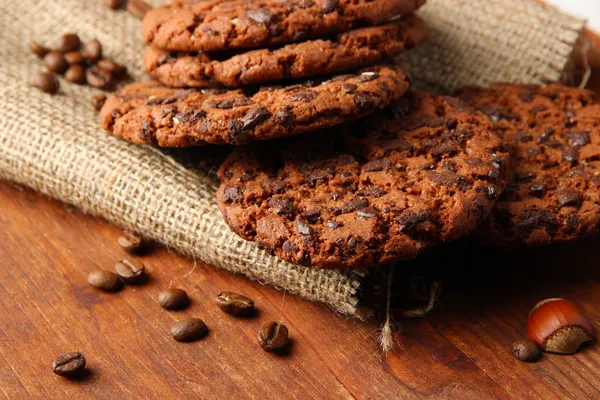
(136, 95)
(180, 118)
(553, 193)
(216, 25)
(379, 190)
(346, 52)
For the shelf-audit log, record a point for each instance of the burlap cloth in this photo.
(55, 145)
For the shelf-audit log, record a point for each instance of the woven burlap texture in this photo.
(54, 144)
(479, 42)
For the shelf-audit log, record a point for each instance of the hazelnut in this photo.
(557, 326)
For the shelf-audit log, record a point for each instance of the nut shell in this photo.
(558, 326)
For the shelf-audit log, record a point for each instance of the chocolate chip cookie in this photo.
(378, 190)
(216, 25)
(346, 52)
(554, 179)
(176, 118)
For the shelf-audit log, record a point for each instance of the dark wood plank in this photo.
(47, 308)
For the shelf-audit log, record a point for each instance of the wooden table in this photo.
(461, 350)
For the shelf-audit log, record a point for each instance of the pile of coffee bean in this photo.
(131, 272)
(137, 8)
(79, 64)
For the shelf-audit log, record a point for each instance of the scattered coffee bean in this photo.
(69, 364)
(56, 62)
(189, 330)
(68, 42)
(75, 74)
(98, 101)
(130, 271)
(273, 336)
(47, 82)
(92, 51)
(98, 78)
(114, 68)
(114, 4)
(131, 241)
(525, 350)
(74, 57)
(138, 8)
(38, 49)
(235, 304)
(173, 299)
(105, 280)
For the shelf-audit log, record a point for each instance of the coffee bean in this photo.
(130, 271)
(56, 62)
(75, 74)
(105, 280)
(235, 304)
(38, 49)
(189, 330)
(68, 42)
(138, 8)
(173, 299)
(114, 68)
(92, 51)
(131, 241)
(98, 78)
(98, 101)
(69, 364)
(47, 82)
(113, 4)
(273, 336)
(74, 57)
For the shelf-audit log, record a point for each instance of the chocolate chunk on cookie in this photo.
(346, 52)
(177, 118)
(382, 189)
(554, 179)
(216, 25)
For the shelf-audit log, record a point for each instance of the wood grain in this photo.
(461, 350)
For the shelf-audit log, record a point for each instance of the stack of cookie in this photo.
(232, 53)
(281, 80)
